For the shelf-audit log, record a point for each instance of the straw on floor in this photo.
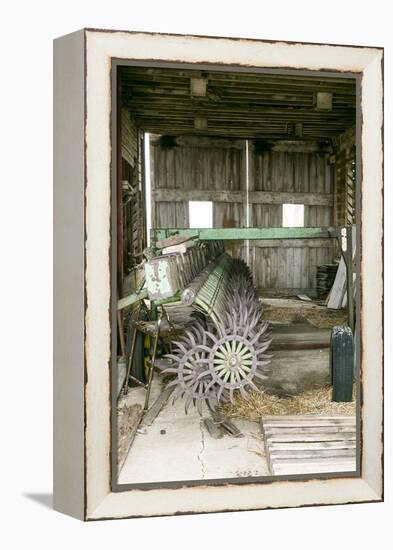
(316, 401)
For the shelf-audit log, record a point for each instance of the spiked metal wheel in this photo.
(226, 350)
(242, 317)
(188, 365)
(234, 363)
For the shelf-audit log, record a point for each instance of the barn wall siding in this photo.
(129, 138)
(131, 222)
(343, 164)
(222, 169)
(286, 267)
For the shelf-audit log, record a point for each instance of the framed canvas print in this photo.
(218, 274)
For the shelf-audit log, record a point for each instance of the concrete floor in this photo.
(178, 447)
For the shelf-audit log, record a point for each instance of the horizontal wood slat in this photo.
(310, 446)
(306, 453)
(254, 197)
(305, 444)
(320, 424)
(306, 418)
(317, 468)
(349, 436)
(294, 243)
(310, 430)
(278, 146)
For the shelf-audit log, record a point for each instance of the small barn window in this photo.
(293, 215)
(200, 214)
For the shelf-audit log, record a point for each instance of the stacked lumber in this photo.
(339, 288)
(338, 295)
(306, 444)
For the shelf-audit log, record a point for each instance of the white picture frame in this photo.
(82, 177)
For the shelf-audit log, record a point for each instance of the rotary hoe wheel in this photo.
(188, 365)
(213, 360)
(234, 363)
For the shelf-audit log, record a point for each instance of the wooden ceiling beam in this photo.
(179, 105)
(238, 134)
(229, 76)
(238, 123)
(214, 85)
(173, 115)
(236, 104)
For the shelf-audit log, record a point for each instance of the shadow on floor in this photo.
(45, 499)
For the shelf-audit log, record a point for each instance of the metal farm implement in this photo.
(223, 350)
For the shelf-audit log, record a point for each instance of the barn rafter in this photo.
(237, 104)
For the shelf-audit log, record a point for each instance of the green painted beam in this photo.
(247, 233)
(171, 300)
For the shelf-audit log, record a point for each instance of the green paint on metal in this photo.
(164, 301)
(248, 233)
(158, 279)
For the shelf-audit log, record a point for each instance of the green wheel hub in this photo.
(232, 361)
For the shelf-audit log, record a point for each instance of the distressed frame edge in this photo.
(69, 489)
(374, 488)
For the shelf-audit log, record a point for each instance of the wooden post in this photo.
(351, 308)
(346, 246)
(119, 197)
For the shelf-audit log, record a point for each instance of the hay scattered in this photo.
(318, 318)
(316, 401)
(290, 311)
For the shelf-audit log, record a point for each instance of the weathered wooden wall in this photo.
(344, 165)
(129, 138)
(131, 217)
(291, 265)
(195, 168)
(203, 169)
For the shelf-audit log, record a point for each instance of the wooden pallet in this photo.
(309, 444)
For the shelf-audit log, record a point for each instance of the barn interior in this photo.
(265, 164)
